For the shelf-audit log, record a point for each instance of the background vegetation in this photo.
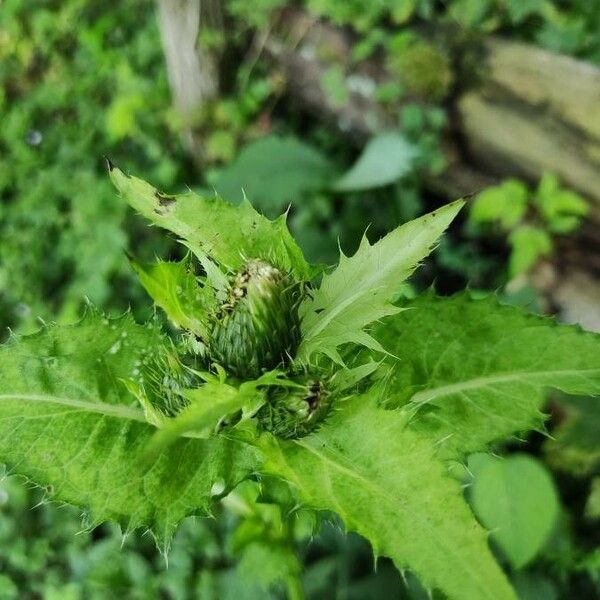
(79, 80)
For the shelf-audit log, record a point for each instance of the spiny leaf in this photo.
(359, 291)
(68, 423)
(174, 287)
(209, 404)
(478, 371)
(384, 480)
(213, 228)
(344, 379)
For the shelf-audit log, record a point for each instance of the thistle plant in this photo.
(258, 328)
(288, 374)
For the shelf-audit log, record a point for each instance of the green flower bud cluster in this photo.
(252, 328)
(257, 328)
(293, 412)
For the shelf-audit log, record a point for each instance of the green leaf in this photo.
(174, 287)
(384, 480)
(477, 371)
(266, 538)
(533, 586)
(403, 10)
(333, 82)
(469, 13)
(220, 145)
(515, 498)
(529, 244)
(519, 10)
(562, 209)
(209, 404)
(386, 158)
(506, 203)
(592, 506)
(214, 228)
(274, 171)
(360, 289)
(68, 423)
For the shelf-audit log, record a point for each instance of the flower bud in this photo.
(293, 412)
(258, 327)
(160, 382)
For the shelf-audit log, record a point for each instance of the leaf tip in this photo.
(117, 176)
(110, 165)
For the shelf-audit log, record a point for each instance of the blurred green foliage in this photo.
(80, 79)
(568, 26)
(69, 562)
(248, 552)
(529, 219)
(77, 80)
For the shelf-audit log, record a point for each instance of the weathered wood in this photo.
(535, 111)
(303, 49)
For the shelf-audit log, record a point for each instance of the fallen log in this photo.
(531, 110)
(192, 70)
(528, 112)
(535, 111)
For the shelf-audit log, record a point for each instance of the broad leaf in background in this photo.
(534, 586)
(214, 228)
(384, 480)
(360, 289)
(68, 423)
(477, 371)
(175, 288)
(515, 498)
(274, 171)
(386, 158)
(529, 243)
(562, 208)
(505, 203)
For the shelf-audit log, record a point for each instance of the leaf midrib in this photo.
(370, 282)
(100, 408)
(367, 483)
(428, 395)
(329, 315)
(109, 410)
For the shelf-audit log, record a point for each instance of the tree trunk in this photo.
(192, 70)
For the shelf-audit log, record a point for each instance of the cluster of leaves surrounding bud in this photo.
(293, 376)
